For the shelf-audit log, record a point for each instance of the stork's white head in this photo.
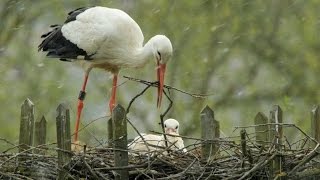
(162, 51)
(171, 126)
(162, 48)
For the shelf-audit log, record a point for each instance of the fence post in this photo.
(119, 124)
(26, 125)
(243, 145)
(40, 134)
(110, 133)
(26, 133)
(63, 139)
(210, 130)
(276, 134)
(315, 123)
(261, 131)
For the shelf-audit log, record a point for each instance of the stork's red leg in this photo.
(81, 97)
(112, 102)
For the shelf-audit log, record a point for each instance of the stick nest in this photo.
(229, 162)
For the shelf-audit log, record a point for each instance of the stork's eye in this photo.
(159, 54)
(176, 127)
(165, 126)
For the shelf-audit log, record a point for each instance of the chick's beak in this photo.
(170, 131)
(161, 69)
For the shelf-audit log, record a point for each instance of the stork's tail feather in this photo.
(49, 37)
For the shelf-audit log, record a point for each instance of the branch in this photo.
(138, 95)
(156, 84)
(306, 159)
(179, 175)
(144, 141)
(220, 140)
(258, 166)
(162, 116)
(310, 172)
(90, 170)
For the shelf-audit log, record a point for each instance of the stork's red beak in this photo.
(161, 69)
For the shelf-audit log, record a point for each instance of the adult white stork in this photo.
(101, 37)
(151, 142)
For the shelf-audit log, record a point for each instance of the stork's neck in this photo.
(144, 54)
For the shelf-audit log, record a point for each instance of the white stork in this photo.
(101, 37)
(156, 143)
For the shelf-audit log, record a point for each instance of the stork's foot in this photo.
(112, 104)
(78, 147)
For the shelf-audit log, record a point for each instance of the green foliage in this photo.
(248, 55)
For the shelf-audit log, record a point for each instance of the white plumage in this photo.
(109, 34)
(106, 38)
(152, 143)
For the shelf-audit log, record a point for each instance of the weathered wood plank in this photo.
(110, 133)
(261, 131)
(315, 123)
(243, 146)
(119, 124)
(26, 133)
(210, 130)
(276, 134)
(243, 142)
(39, 140)
(26, 125)
(40, 134)
(63, 139)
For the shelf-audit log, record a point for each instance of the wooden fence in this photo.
(33, 134)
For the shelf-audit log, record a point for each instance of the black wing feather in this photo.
(58, 46)
(73, 14)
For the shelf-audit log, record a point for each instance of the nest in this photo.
(229, 162)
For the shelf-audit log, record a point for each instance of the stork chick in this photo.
(151, 142)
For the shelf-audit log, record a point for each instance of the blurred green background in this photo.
(248, 55)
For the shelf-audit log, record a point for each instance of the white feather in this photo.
(108, 33)
(140, 145)
(176, 142)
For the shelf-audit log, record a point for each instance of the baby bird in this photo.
(151, 142)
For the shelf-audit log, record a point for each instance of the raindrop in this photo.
(225, 50)
(240, 93)
(213, 28)
(61, 84)
(186, 28)
(205, 60)
(40, 64)
(156, 11)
